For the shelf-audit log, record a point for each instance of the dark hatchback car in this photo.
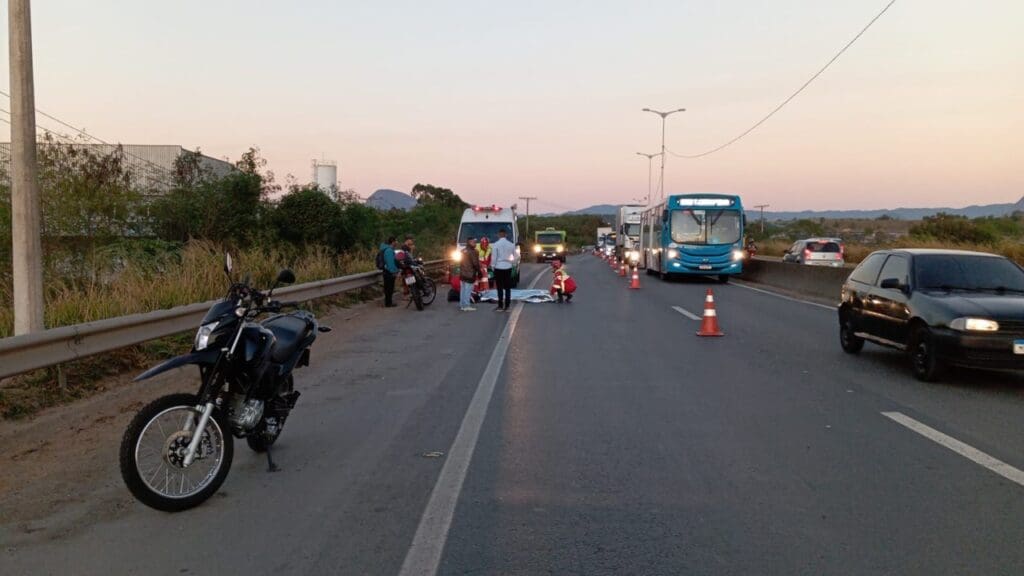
(943, 307)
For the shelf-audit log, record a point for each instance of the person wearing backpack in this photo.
(386, 264)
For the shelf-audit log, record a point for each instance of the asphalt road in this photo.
(603, 437)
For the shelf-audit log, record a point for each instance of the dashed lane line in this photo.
(965, 450)
(686, 313)
(424, 555)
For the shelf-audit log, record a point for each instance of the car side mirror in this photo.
(893, 284)
(286, 276)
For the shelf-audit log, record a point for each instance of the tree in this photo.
(430, 194)
(306, 215)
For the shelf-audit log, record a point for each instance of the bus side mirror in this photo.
(744, 219)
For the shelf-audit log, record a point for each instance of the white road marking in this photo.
(424, 555)
(686, 313)
(965, 450)
(791, 299)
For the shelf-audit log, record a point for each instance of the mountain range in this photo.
(973, 211)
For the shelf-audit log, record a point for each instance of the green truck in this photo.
(549, 244)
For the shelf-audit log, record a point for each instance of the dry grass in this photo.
(195, 274)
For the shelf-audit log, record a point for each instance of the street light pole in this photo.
(650, 158)
(661, 183)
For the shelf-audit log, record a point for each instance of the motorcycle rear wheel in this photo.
(152, 444)
(429, 291)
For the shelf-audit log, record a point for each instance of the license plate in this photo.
(705, 267)
(1018, 346)
(410, 280)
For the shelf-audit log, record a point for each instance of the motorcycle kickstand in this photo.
(271, 467)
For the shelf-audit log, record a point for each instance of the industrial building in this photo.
(151, 165)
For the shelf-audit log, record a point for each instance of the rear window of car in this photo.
(823, 247)
(968, 272)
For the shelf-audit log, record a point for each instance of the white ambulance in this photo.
(480, 222)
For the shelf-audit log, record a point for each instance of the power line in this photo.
(794, 94)
(66, 140)
(161, 169)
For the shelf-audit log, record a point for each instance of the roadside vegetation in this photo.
(114, 247)
(999, 235)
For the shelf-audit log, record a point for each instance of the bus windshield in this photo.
(549, 238)
(480, 230)
(632, 229)
(705, 226)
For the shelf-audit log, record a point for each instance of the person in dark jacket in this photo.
(469, 271)
(390, 271)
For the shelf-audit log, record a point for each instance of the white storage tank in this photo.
(325, 175)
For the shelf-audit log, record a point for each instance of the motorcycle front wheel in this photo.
(429, 291)
(153, 448)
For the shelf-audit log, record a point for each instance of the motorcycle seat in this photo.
(289, 333)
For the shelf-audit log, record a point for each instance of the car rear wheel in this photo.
(924, 360)
(848, 338)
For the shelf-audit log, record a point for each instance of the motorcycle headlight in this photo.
(673, 253)
(974, 325)
(536, 247)
(456, 255)
(737, 255)
(203, 336)
(560, 248)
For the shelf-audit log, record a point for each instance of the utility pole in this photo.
(27, 246)
(661, 183)
(527, 199)
(762, 207)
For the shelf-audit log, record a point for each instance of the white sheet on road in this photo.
(531, 296)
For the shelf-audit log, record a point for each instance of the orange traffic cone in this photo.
(709, 327)
(622, 270)
(634, 284)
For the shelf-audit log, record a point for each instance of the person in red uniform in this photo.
(563, 285)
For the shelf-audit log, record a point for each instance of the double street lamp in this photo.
(661, 183)
(649, 157)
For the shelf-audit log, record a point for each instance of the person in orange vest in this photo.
(563, 285)
(483, 250)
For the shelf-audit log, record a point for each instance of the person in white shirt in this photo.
(503, 259)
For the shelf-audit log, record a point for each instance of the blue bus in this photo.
(693, 234)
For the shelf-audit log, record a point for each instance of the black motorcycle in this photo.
(422, 289)
(177, 451)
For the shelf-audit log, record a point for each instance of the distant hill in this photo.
(385, 199)
(974, 211)
(599, 209)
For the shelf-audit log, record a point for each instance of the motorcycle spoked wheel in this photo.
(153, 448)
(429, 291)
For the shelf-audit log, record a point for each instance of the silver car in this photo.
(817, 252)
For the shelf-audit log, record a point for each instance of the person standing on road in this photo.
(484, 251)
(503, 257)
(468, 273)
(390, 270)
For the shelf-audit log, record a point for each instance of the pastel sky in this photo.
(543, 98)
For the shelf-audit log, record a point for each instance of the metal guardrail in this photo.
(19, 354)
